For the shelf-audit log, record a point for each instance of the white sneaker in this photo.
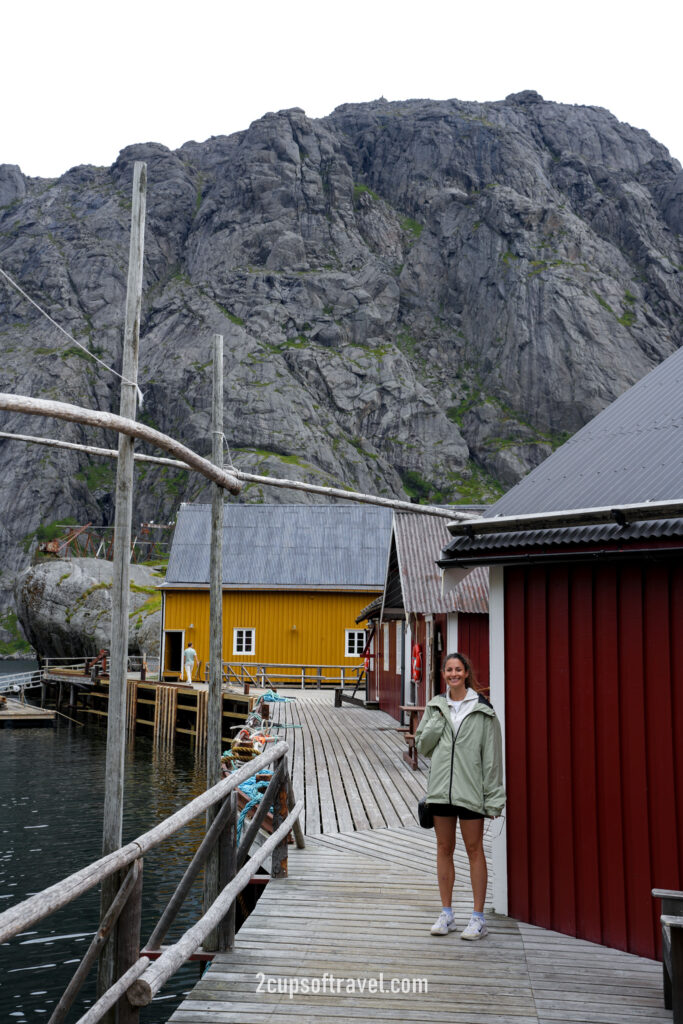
(476, 929)
(443, 924)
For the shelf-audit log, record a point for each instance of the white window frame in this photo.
(351, 645)
(385, 644)
(247, 635)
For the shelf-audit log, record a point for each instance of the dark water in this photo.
(51, 799)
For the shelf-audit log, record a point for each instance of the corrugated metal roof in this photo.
(631, 452)
(608, 534)
(472, 593)
(419, 541)
(331, 546)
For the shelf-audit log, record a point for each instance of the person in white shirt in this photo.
(189, 659)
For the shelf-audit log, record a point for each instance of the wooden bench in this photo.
(415, 713)
(672, 950)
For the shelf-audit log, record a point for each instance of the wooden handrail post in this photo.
(291, 803)
(129, 946)
(227, 871)
(278, 861)
(269, 797)
(73, 988)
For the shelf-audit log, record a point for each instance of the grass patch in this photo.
(150, 606)
(603, 303)
(477, 487)
(361, 190)
(75, 351)
(413, 227)
(96, 477)
(17, 644)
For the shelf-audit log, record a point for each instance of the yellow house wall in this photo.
(320, 618)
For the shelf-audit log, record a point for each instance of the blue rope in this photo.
(254, 789)
(271, 698)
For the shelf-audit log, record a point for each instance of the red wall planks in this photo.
(517, 761)
(584, 763)
(473, 640)
(594, 701)
(560, 723)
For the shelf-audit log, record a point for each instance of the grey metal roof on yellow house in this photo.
(329, 547)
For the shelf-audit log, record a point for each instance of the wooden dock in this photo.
(17, 713)
(355, 910)
(164, 711)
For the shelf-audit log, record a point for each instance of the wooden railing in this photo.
(140, 976)
(265, 674)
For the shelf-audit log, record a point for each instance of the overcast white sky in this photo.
(81, 80)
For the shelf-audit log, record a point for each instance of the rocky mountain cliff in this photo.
(416, 298)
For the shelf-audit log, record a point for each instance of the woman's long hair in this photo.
(471, 677)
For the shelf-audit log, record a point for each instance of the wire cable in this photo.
(71, 338)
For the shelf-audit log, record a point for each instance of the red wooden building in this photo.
(414, 611)
(586, 617)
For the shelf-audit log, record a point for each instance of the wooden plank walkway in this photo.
(352, 919)
(346, 763)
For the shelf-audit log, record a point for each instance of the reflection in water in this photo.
(51, 800)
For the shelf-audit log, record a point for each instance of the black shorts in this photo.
(453, 811)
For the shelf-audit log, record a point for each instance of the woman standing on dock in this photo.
(461, 734)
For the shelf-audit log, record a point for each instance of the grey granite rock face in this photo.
(64, 607)
(416, 298)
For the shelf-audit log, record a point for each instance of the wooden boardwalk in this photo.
(346, 763)
(351, 921)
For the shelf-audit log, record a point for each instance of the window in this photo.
(355, 643)
(243, 640)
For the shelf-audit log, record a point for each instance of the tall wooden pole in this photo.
(214, 709)
(118, 659)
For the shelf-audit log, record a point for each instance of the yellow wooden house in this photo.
(295, 578)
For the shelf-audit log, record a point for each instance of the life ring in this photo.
(416, 669)
(366, 663)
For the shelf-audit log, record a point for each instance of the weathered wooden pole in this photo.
(215, 702)
(118, 658)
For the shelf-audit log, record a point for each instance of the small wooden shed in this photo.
(586, 618)
(412, 610)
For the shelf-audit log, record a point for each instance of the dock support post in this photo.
(215, 702)
(118, 661)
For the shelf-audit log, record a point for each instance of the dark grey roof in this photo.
(630, 453)
(330, 546)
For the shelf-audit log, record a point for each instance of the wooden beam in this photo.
(131, 428)
(269, 481)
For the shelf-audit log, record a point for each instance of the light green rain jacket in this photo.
(466, 769)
